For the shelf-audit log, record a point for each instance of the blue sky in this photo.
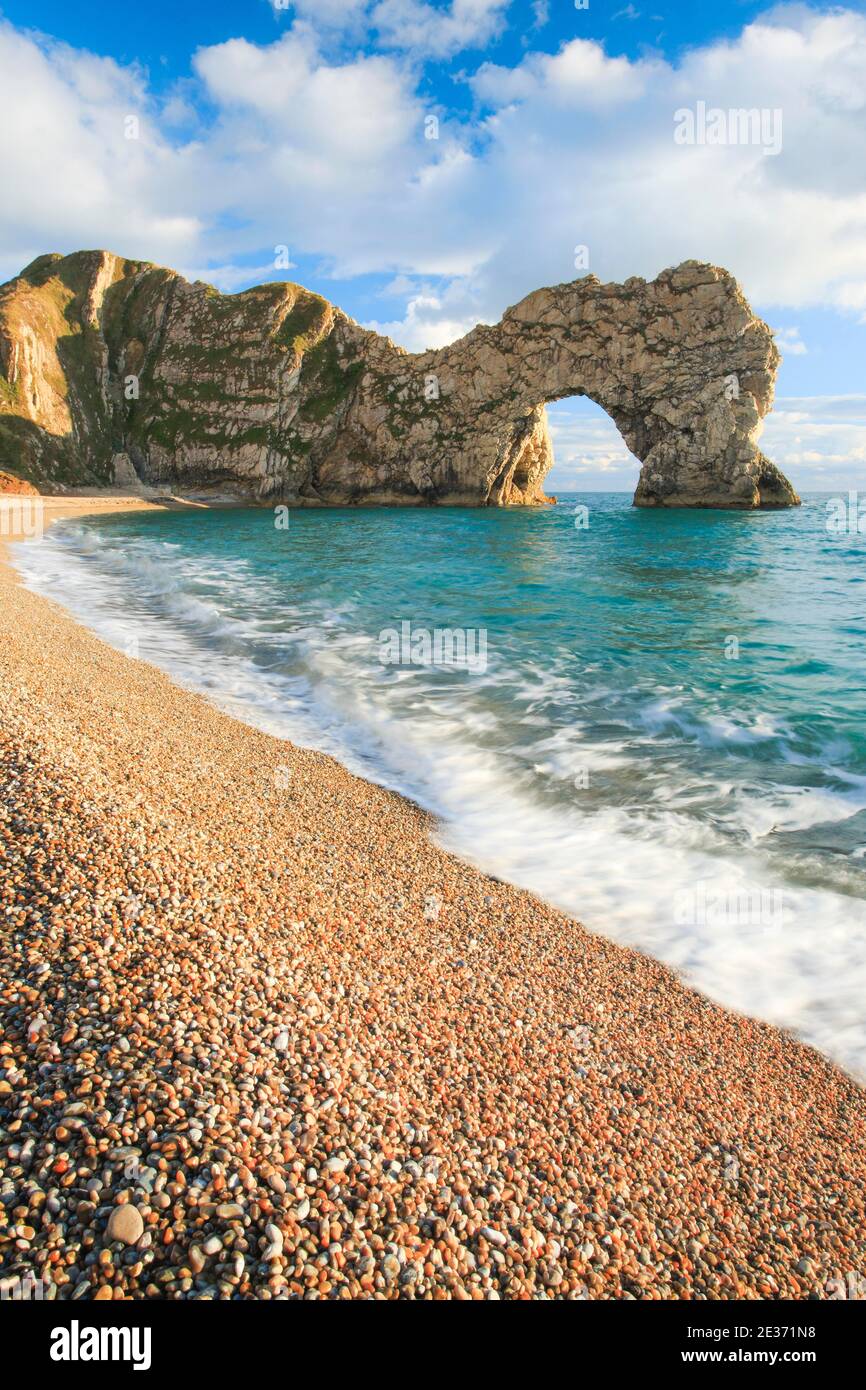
(305, 126)
(162, 34)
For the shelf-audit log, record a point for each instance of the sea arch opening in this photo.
(589, 451)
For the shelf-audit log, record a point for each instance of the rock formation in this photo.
(116, 370)
(12, 486)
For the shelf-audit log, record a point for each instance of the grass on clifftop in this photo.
(304, 323)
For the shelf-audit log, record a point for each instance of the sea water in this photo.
(660, 729)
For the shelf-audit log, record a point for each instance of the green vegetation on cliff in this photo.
(305, 322)
(328, 381)
(51, 362)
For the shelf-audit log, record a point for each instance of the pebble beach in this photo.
(261, 1038)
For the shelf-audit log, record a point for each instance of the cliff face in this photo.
(114, 369)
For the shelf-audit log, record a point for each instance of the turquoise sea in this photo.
(659, 723)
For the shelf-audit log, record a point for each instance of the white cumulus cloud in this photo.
(287, 143)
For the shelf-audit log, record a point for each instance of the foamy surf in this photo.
(708, 832)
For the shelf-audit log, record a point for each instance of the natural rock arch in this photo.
(680, 364)
(277, 395)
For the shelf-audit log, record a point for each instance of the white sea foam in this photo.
(795, 808)
(646, 872)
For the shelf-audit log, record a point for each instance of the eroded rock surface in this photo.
(12, 486)
(111, 368)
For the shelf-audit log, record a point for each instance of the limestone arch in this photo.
(680, 364)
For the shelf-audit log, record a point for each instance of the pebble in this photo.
(275, 1242)
(125, 1224)
(494, 1237)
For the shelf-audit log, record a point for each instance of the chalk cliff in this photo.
(112, 370)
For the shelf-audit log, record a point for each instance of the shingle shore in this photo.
(262, 1039)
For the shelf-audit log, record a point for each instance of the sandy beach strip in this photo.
(261, 1038)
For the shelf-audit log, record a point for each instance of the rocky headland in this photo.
(115, 371)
